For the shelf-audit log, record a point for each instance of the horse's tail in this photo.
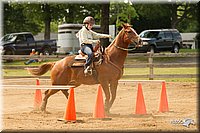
(41, 69)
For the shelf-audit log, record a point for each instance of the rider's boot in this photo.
(88, 71)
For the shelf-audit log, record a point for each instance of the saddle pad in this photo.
(80, 60)
(80, 57)
(78, 64)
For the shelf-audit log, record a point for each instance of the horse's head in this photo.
(131, 36)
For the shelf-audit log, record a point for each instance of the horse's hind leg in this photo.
(65, 91)
(48, 93)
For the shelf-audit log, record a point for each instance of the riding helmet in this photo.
(89, 20)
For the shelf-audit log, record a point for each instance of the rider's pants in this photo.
(88, 50)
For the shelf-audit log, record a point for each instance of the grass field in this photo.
(145, 71)
(127, 71)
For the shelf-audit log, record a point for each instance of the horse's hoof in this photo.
(42, 109)
(46, 112)
(107, 112)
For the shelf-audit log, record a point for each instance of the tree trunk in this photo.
(105, 23)
(47, 21)
(47, 29)
(174, 18)
(70, 13)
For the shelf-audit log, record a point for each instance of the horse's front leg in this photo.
(105, 87)
(48, 93)
(113, 90)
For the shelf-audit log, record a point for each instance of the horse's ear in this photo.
(126, 25)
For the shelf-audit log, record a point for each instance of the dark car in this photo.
(159, 40)
(23, 42)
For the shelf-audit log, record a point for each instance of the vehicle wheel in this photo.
(152, 49)
(175, 49)
(46, 51)
(9, 52)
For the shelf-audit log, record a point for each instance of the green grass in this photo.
(22, 72)
(189, 50)
(127, 71)
(145, 71)
(21, 63)
(142, 71)
(17, 72)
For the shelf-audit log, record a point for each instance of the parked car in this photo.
(157, 40)
(23, 42)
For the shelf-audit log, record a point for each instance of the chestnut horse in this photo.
(108, 73)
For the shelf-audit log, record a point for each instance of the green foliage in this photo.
(54, 27)
(182, 16)
(16, 20)
(34, 17)
(122, 13)
(152, 16)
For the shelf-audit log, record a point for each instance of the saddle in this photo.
(80, 59)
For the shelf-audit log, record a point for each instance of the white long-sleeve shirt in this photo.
(89, 37)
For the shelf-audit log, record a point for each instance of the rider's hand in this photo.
(98, 41)
(109, 36)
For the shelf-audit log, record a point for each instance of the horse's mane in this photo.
(113, 41)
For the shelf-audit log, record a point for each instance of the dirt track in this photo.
(18, 111)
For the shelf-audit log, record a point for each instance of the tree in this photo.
(48, 13)
(15, 19)
(31, 17)
(151, 16)
(182, 11)
(182, 16)
(122, 13)
(105, 22)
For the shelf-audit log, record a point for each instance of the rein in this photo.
(125, 49)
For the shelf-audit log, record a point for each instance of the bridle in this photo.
(126, 49)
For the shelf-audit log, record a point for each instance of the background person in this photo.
(33, 53)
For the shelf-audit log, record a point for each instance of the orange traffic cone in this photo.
(37, 81)
(70, 113)
(163, 99)
(99, 107)
(140, 104)
(38, 97)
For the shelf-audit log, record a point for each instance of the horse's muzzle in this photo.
(139, 43)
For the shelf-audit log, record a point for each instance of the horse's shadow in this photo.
(112, 115)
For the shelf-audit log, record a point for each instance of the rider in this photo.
(88, 39)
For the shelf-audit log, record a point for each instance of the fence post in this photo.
(151, 76)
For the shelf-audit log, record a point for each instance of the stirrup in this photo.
(88, 71)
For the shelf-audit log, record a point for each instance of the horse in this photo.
(107, 74)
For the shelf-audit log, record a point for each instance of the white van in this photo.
(68, 43)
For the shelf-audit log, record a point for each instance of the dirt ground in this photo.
(18, 114)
